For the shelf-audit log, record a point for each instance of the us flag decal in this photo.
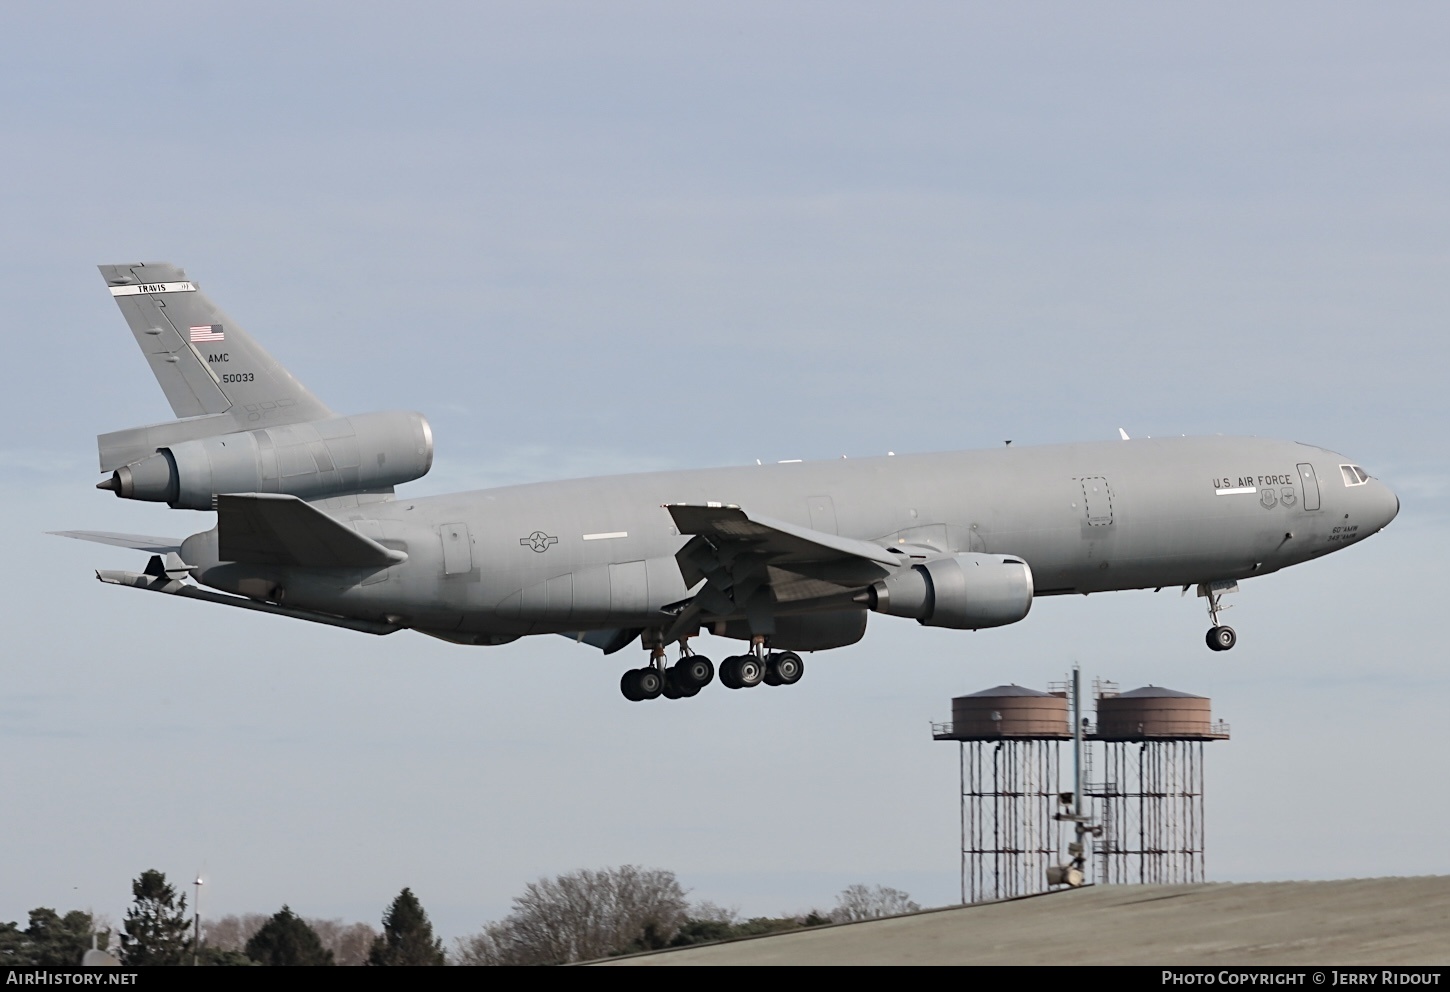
(207, 332)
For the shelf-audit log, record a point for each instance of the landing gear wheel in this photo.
(785, 668)
(639, 684)
(697, 670)
(628, 688)
(1221, 638)
(678, 684)
(750, 671)
(650, 682)
(730, 672)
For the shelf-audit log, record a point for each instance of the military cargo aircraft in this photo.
(789, 557)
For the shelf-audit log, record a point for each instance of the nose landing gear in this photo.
(1220, 637)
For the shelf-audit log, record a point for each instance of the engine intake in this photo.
(311, 460)
(965, 592)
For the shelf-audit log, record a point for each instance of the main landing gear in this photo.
(679, 681)
(749, 670)
(1220, 637)
(693, 672)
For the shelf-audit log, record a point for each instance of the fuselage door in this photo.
(823, 514)
(1311, 486)
(457, 553)
(1097, 501)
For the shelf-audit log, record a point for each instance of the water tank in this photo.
(1009, 711)
(1155, 712)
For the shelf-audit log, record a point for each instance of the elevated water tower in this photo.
(1009, 741)
(1149, 792)
(1140, 817)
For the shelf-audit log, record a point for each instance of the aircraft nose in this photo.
(1388, 504)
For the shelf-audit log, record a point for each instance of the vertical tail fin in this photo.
(204, 362)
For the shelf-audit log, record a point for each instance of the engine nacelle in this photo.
(312, 460)
(965, 592)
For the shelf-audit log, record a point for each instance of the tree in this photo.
(217, 957)
(582, 915)
(157, 930)
(493, 945)
(286, 939)
(856, 902)
(50, 940)
(348, 942)
(407, 937)
(231, 932)
(710, 923)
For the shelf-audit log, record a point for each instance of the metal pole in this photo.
(196, 940)
(1077, 742)
(1080, 830)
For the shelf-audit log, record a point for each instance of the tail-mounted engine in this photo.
(313, 460)
(964, 592)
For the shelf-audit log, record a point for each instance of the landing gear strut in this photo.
(1220, 637)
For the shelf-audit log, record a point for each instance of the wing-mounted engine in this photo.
(965, 592)
(311, 460)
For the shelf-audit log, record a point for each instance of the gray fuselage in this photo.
(598, 554)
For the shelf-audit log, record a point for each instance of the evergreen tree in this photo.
(286, 939)
(217, 957)
(51, 940)
(407, 937)
(157, 930)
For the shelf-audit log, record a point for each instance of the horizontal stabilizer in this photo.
(134, 443)
(138, 542)
(276, 529)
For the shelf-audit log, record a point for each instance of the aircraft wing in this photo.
(276, 529)
(750, 563)
(776, 539)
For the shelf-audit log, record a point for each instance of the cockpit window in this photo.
(1354, 475)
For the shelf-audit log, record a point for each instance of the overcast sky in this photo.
(597, 238)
